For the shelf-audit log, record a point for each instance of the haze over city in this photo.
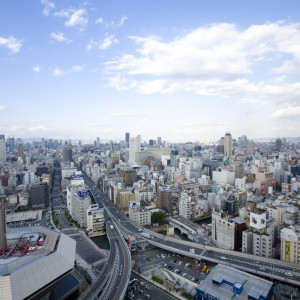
(180, 70)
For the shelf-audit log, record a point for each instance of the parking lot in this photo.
(186, 267)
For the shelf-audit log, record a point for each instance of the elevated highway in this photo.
(269, 268)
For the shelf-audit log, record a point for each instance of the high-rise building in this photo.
(151, 142)
(134, 146)
(39, 195)
(228, 145)
(98, 142)
(3, 242)
(250, 147)
(2, 148)
(185, 206)
(127, 136)
(290, 244)
(278, 144)
(21, 150)
(67, 155)
(159, 140)
(164, 198)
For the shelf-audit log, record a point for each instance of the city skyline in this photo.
(182, 71)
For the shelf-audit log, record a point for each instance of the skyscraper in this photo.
(21, 150)
(227, 144)
(98, 142)
(127, 139)
(278, 144)
(67, 155)
(134, 146)
(2, 148)
(159, 140)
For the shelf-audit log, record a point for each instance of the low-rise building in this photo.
(95, 220)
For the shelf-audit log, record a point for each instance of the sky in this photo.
(181, 70)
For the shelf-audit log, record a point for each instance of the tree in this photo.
(278, 187)
(158, 217)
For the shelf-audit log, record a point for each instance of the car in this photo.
(223, 257)
(288, 273)
(184, 274)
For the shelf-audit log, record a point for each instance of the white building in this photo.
(28, 178)
(224, 176)
(78, 202)
(185, 206)
(140, 216)
(223, 231)
(95, 220)
(134, 146)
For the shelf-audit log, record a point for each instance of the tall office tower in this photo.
(134, 146)
(159, 140)
(228, 144)
(2, 148)
(151, 142)
(278, 144)
(3, 242)
(127, 139)
(250, 148)
(21, 150)
(43, 143)
(98, 142)
(67, 155)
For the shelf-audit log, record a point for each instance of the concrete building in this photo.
(127, 136)
(223, 176)
(134, 146)
(67, 155)
(276, 211)
(140, 216)
(78, 202)
(185, 206)
(223, 231)
(124, 197)
(225, 283)
(39, 195)
(2, 148)
(95, 220)
(164, 198)
(290, 244)
(129, 177)
(42, 257)
(227, 145)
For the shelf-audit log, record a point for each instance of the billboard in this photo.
(258, 221)
(77, 177)
(83, 193)
(133, 204)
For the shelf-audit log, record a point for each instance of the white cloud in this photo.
(36, 68)
(217, 60)
(1, 107)
(59, 72)
(289, 112)
(120, 23)
(104, 44)
(60, 37)
(38, 128)
(123, 114)
(76, 18)
(99, 21)
(108, 41)
(11, 43)
(48, 5)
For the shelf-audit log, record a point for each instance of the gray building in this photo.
(39, 195)
(2, 148)
(3, 242)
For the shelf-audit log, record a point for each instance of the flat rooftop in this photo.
(227, 283)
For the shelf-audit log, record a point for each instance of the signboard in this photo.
(83, 193)
(77, 177)
(258, 221)
(134, 204)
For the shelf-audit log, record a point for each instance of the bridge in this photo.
(266, 267)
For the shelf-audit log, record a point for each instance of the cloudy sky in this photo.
(182, 70)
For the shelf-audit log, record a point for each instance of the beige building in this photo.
(228, 145)
(140, 216)
(276, 211)
(95, 220)
(124, 198)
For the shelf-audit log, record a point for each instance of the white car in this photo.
(223, 257)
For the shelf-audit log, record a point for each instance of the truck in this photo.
(112, 227)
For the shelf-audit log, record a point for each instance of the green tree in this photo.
(158, 217)
(278, 187)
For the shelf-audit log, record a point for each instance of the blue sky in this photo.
(182, 70)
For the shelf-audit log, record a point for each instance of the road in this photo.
(256, 265)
